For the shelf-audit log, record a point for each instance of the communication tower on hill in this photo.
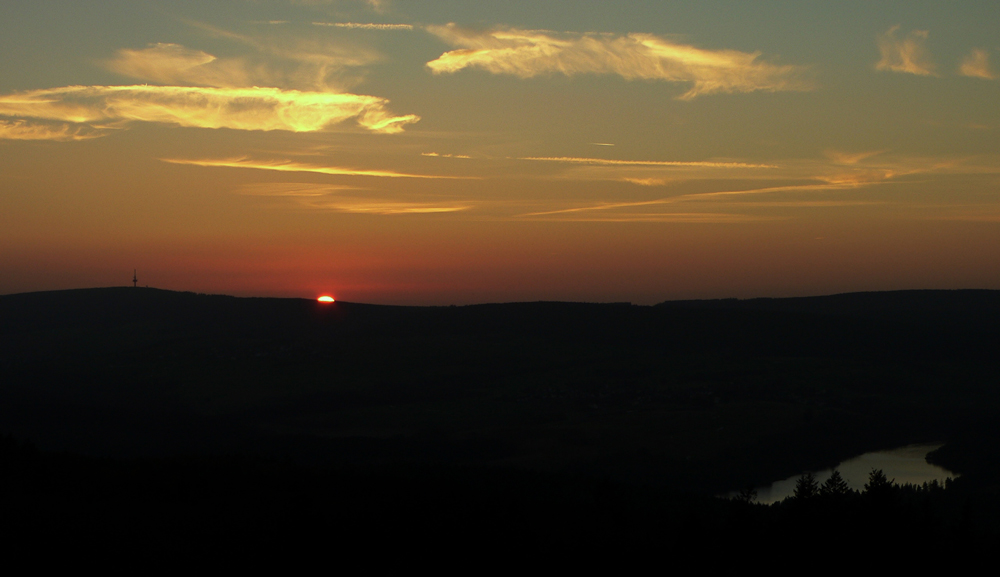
(135, 279)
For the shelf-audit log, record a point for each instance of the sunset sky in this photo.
(452, 152)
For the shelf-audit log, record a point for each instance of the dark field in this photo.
(555, 425)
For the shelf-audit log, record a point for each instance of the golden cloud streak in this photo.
(435, 154)
(608, 162)
(293, 189)
(291, 166)
(236, 108)
(701, 196)
(528, 53)
(175, 64)
(767, 189)
(977, 65)
(678, 217)
(365, 26)
(906, 55)
(24, 130)
(645, 181)
(329, 197)
(360, 206)
(603, 206)
(850, 158)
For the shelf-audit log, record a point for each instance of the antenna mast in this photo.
(135, 280)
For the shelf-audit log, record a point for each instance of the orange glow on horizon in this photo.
(325, 299)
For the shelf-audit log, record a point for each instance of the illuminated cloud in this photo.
(292, 189)
(235, 108)
(294, 61)
(977, 65)
(435, 154)
(175, 64)
(904, 55)
(24, 130)
(850, 158)
(603, 206)
(365, 26)
(645, 181)
(385, 207)
(292, 166)
(664, 217)
(607, 162)
(528, 53)
(332, 197)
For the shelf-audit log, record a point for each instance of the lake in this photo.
(903, 465)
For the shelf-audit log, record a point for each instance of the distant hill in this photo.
(705, 395)
(952, 306)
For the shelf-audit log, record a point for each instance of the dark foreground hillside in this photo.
(509, 414)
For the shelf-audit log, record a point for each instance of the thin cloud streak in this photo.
(292, 166)
(236, 108)
(677, 217)
(603, 206)
(293, 189)
(977, 65)
(365, 26)
(906, 55)
(24, 130)
(697, 196)
(677, 163)
(302, 62)
(435, 154)
(175, 64)
(386, 208)
(330, 197)
(529, 53)
(645, 181)
(850, 158)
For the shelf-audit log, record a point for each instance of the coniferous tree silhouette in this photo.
(806, 487)
(835, 486)
(878, 483)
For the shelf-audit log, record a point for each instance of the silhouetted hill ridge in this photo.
(936, 305)
(705, 394)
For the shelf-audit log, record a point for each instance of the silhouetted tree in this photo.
(806, 486)
(878, 482)
(835, 486)
(748, 495)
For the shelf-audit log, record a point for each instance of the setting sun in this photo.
(325, 299)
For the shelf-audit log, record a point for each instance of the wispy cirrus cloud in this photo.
(25, 130)
(665, 163)
(339, 198)
(977, 65)
(175, 64)
(645, 181)
(528, 53)
(292, 166)
(236, 108)
(658, 217)
(365, 25)
(651, 172)
(708, 194)
(907, 55)
(385, 207)
(294, 60)
(435, 154)
(850, 158)
(292, 189)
